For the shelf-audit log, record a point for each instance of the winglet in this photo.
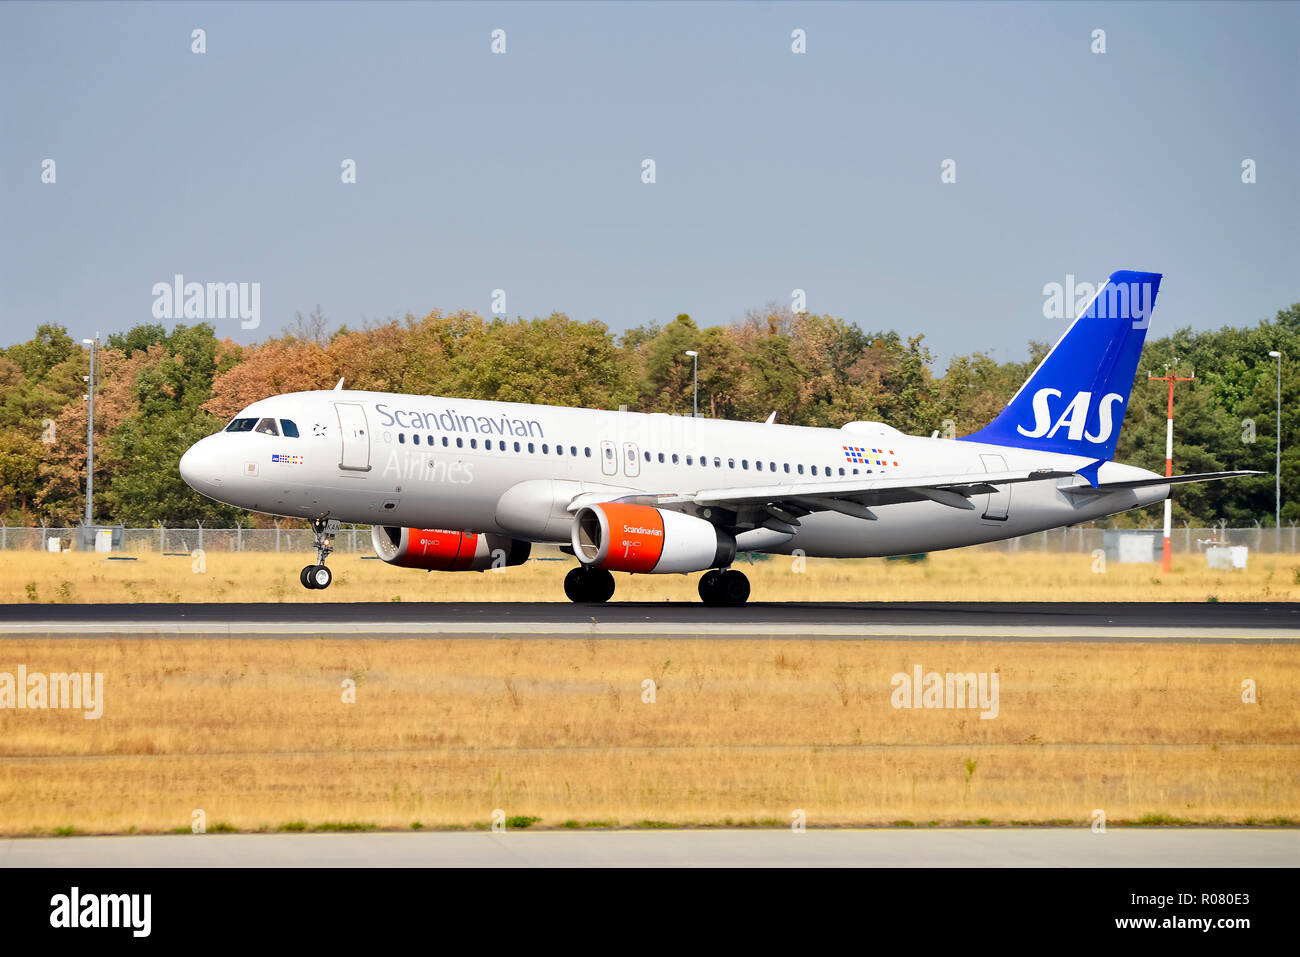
(339, 385)
(1089, 471)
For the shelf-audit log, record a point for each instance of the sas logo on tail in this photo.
(1074, 418)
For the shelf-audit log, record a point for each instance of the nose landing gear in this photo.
(318, 576)
(724, 586)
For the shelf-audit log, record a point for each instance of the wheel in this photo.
(733, 586)
(304, 576)
(584, 584)
(320, 576)
(724, 587)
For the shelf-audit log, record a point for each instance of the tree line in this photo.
(159, 391)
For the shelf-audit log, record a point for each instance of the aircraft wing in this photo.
(786, 503)
(1164, 480)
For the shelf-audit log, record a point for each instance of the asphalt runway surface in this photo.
(1211, 621)
(947, 847)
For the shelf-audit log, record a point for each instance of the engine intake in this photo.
(443, 550)
(648, 540)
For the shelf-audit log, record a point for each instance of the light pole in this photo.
(1277, 475)
(695, 383)
(90, 434)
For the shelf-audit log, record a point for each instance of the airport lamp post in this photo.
(1277, 463)
(695, 383)
(1166, 557)
(90, 433)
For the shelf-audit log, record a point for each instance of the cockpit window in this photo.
(290, 428)
(267, 427)
(241, 425)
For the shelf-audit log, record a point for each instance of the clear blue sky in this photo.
(775, 170)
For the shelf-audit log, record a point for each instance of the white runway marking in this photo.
(941, 847)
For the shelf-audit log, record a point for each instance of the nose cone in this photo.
(200, 465)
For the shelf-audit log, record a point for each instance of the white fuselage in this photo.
(469, 465)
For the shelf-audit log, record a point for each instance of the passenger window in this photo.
(758, 466)
(241, 425)
(661, 458)
(530, 448)
(415, 439)
(717, 462)
(841, 470)
(516, 446)
(787, 468)
(744, 464)
(289, 427)
(546, 448)
(674, 458)
(800, 468)
(460, 443)
(473, 443)
(647, 456)
(587, 449)
(609, 454)
(559, 450)
(814, 470)
(267, 427)
(401, 438)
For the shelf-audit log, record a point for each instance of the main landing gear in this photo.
(587, 584)
(584, 584)
(724, 586)
(318, 576)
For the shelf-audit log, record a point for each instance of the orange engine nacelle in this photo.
(648, 540)
(442, 550)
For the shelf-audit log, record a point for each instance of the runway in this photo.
(1216, 622)
(944, 847)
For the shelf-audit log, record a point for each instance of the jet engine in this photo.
(648, 540)
(441, 550)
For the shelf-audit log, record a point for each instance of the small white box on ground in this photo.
(52, 544)
(1136, 548)
(104, 540)
(1226, 557)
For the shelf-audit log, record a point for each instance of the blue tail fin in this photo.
(1075, 400)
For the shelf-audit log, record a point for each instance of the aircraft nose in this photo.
(198, 465)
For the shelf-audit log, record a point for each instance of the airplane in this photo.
(454, 484)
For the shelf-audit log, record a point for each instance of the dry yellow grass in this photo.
(443, 731)
(962, 575)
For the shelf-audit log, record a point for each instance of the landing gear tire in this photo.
(724, 587)
(318, 576)
(588, 585)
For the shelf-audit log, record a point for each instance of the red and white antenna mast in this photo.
(1171, 376)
